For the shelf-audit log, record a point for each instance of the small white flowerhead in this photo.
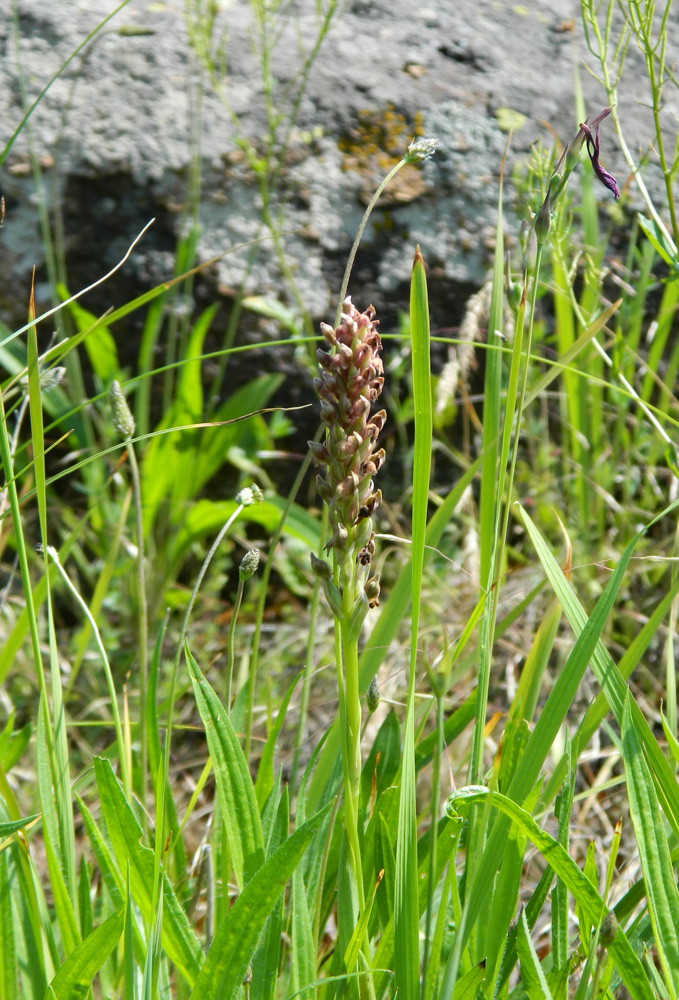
(249, 496)
(248, 564)
(420, 150)
(122, 415)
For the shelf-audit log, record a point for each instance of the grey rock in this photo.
(113, 136)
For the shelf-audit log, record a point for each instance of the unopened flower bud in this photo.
(320, 568)
(373, 695)
(122, 415)
(339, 539)
(609, 928)
(543, 220)
(249, 496)
(372, 591)
(248, 564)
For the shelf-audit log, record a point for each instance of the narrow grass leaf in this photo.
(9, 986)
(382, 771)
(542, 739)
(489, 499)
(596, 712)
(234, 784)
(562, 811)
(125, 834)
(446, 847)
(128, 944)
(661, 886)
(626, 961)
(85, 899)
(66, 917)
(303, 953)
(227, 961)
(264, 780)
(64, 845)
(606, 670)
(535, 664)
(533, 979)
(74, 978)
(8, 827)
(467, 986)
(672, 741)
(406, 916)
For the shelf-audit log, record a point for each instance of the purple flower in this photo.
(591, 134)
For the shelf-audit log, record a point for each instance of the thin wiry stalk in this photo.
(54, 556)
(187, 614)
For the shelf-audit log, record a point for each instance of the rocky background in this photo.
(115, 137)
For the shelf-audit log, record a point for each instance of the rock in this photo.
(114, 134)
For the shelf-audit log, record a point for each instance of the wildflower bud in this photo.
(328, 333)
(373, 695)
(122, 416)
(609, 928)
(248, 564)
(325, 490)
(543, 220)
(339, 539)
(363, 535)
(319, 452)
(328, 412)
(420, 150)
(249, 496)
(372, 591)
(320, 568)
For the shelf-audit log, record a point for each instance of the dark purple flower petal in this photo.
(608, 180)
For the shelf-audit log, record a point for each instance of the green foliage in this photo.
(198, 863)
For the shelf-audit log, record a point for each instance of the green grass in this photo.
(193, 803)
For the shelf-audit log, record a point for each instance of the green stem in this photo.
(359, 234)
(308, 660)
(350, 722)
(230, 656)
(143, 622)
(187, 615)
(11, 487)
(435, 792)
(54, 556)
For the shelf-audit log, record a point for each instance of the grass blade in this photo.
(661, 886)
(8, 962)
(607, 672)
(627, 962)
(406, 916)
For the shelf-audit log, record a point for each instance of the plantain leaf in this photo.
(234, 784)
(179, 940)
(74, 978)
(227, 961)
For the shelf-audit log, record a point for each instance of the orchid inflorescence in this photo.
(351, 380)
